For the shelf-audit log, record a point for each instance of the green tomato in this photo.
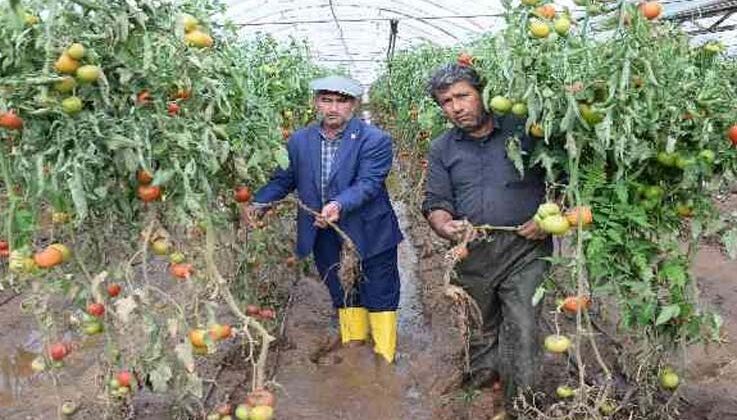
(562, 26)
(707, 156)
(548, 209)
(241, 412)
(92, 328)
(667, 159)
(565, 391)
(684, 210)
(71, 105)
(654, 192)
(519, 109)
(684, 162)
(591, 116)
(669, 380)
(500, 104)
(68, 408)
(649, 204)
(555, 225)
(557, 343)
(176, 258)
(261, 412)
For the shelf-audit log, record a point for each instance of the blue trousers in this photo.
(378, 288)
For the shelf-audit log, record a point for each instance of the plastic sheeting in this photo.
(355, 34)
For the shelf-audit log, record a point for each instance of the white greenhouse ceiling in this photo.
(355, 34)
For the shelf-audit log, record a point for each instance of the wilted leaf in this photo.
(184, 354)
(124, 307)
(160, 377)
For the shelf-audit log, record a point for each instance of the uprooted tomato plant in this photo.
(633, 122)
(131, 136)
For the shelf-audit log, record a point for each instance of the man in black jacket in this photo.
(471, 179)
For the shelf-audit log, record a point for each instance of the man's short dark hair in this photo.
(449, 74)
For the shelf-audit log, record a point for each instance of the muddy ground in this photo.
(351, 383)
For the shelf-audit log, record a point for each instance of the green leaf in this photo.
(514, 153)
(162, 177)
(729, 241)
(674, 273)
(282, 158)
(538, 296)
(667, 313)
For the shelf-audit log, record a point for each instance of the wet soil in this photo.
(351, 383)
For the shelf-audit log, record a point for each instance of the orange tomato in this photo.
(197, 338)
(181, 270)
(583, 212)
(242, 194)
(220, 331)
(148, 193)
(48, 258)
(651, 9)
(9, 120)
(733, 134)
(572, 303)
(144, 177)
(546, 11)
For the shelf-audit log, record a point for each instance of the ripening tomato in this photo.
(58, 351)
(9, 120)
(173, 108)
(113, 289)
(651, 9)
(148, 193)
(242, 194)
(96, 309)
(465, 59)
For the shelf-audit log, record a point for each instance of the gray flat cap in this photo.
(338, 84)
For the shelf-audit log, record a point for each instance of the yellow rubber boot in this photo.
(384, 333)
(354, 324)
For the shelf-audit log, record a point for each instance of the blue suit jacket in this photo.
(356, 181)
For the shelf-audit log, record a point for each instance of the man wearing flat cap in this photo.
(338, 166)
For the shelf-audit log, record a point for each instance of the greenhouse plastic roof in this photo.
(355, 34)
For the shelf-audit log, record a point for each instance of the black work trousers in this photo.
(502, 272)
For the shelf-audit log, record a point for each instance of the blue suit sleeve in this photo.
(282, 182)
(374, 164)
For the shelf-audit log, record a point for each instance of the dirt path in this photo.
(351, 383)
(711, 382)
